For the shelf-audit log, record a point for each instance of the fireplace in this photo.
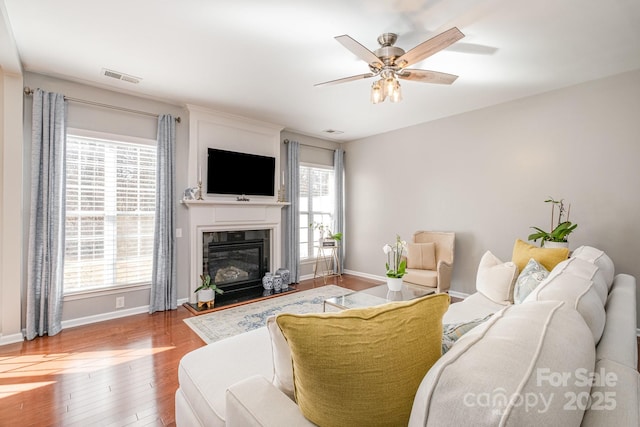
(236, 260)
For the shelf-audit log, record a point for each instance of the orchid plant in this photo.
(560, 230)
(396, 263)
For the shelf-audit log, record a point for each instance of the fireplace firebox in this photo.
(237, 260)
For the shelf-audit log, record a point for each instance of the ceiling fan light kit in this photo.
(389, 62)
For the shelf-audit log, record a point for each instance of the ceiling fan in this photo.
(390, 63)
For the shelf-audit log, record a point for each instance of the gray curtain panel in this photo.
(292, 212)
(45, 263)
(338, 221)
(163, 278)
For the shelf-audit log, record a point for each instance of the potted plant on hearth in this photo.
(557, 237)
(207, 291)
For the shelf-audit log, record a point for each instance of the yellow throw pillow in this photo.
(421, 256)
(362, 367)
(547, 257)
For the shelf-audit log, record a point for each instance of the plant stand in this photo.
(327, 263)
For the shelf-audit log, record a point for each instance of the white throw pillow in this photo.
(496, 279)
(282, 364)
(531, 276)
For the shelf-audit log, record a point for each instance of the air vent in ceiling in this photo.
(120, 76)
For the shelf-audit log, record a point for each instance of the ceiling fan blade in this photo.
(426, 76)
(429, 47)
(345, 79)
(360, 51)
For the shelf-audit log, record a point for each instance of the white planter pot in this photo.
(552, 245)
(394, 283)
(206, 295)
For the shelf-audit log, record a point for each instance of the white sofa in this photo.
(567, 355)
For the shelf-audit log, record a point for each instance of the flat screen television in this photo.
(231, 172)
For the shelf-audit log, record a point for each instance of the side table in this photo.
(327, 263)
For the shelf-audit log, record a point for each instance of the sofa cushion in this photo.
(495, 279)
(615, 395)
(421, 277)
(475, 306)
(363, 366)
(204, 374)
(548, 257)
(584, 269)
(487, 375)
(579, 293)
(599, 258)
(421, 256)
(282, 372)
(531, 276)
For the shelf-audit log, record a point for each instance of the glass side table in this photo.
(376, 295)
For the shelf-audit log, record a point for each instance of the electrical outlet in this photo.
(178, 233)
(119, 302)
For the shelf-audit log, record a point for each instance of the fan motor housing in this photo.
(388, 54)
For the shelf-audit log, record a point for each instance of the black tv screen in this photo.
(230, 172)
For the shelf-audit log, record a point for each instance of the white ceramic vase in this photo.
(394, 283)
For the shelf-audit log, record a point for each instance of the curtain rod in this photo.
(28, 91)
(286, 141)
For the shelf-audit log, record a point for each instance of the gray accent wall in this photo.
(485, 175)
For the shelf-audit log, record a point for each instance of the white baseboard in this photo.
(11, 339)
(71, 323)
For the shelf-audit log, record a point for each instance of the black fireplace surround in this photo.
(236, 262)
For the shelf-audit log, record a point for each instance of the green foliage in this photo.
(396, 264)
(324, 229)
(559, 232)
(207, 283)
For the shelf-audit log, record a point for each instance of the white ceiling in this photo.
(261, 58)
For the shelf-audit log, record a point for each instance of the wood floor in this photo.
(119, 372)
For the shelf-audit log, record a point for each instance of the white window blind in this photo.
(317, 204)
(110, 212)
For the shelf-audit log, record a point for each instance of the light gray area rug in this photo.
(233, 321)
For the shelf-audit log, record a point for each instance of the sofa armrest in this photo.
(257, 402)
(444, 276)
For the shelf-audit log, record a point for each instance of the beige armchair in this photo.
(430, 259)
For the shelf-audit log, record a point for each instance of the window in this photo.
(110, 211)
(317, 204)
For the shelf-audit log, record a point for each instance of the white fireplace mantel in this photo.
(215, 215)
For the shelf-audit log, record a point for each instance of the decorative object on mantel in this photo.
(200, 190)
(190, 193)
(557, 237)
(396, 264)
(207, 291)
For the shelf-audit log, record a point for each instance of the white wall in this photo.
(11, 219)
(486, 174)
